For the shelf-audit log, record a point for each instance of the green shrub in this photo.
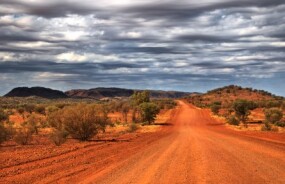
(280, 123)
(149, 111)
(242, 109)
(273, 115)
(232, 120)
(165, 103)
(215, 108)
(140, 97)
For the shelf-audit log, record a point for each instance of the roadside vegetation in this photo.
(244, 106)
(23, 120)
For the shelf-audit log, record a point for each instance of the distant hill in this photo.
(99, 93)
(36, 91)
(95, 93)
(226, 95)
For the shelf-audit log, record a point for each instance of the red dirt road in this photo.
(199, 150)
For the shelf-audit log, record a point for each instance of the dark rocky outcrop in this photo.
(36, 91)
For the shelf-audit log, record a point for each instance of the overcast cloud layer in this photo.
(182, 45)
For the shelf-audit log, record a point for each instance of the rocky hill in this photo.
(226, 95)
(99, 93)
(36, 91)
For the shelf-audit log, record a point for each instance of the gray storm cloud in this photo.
(180, 45)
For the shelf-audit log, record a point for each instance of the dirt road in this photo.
(200, 150)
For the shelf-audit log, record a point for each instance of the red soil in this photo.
(195, 149)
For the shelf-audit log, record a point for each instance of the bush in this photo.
(133, 127)
(266, 127)
(280, 123)
(56, 120)
(29, 108)
(232, 120)
(51, 109)
(23, 136)
(81, 122)
(33, 123)
(60, 105)
(58, 137)
(3, 115)
(273, 103)
(40, 109)
(3, 133)
(242, 109)
(149, 111)
(20, 110)
(140, 97)
(165, 103)
(273, 115)
(125, 108)
(215, 108)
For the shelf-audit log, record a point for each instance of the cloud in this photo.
(85, 57)
(174, 44)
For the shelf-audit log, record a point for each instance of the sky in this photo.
(182, 45)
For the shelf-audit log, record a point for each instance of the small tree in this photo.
(242, 109)
(273, 115)
(149, 111)
(140, 97)
(136, 100)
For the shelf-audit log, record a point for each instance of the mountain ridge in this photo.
(93, 93)
(104, 92)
